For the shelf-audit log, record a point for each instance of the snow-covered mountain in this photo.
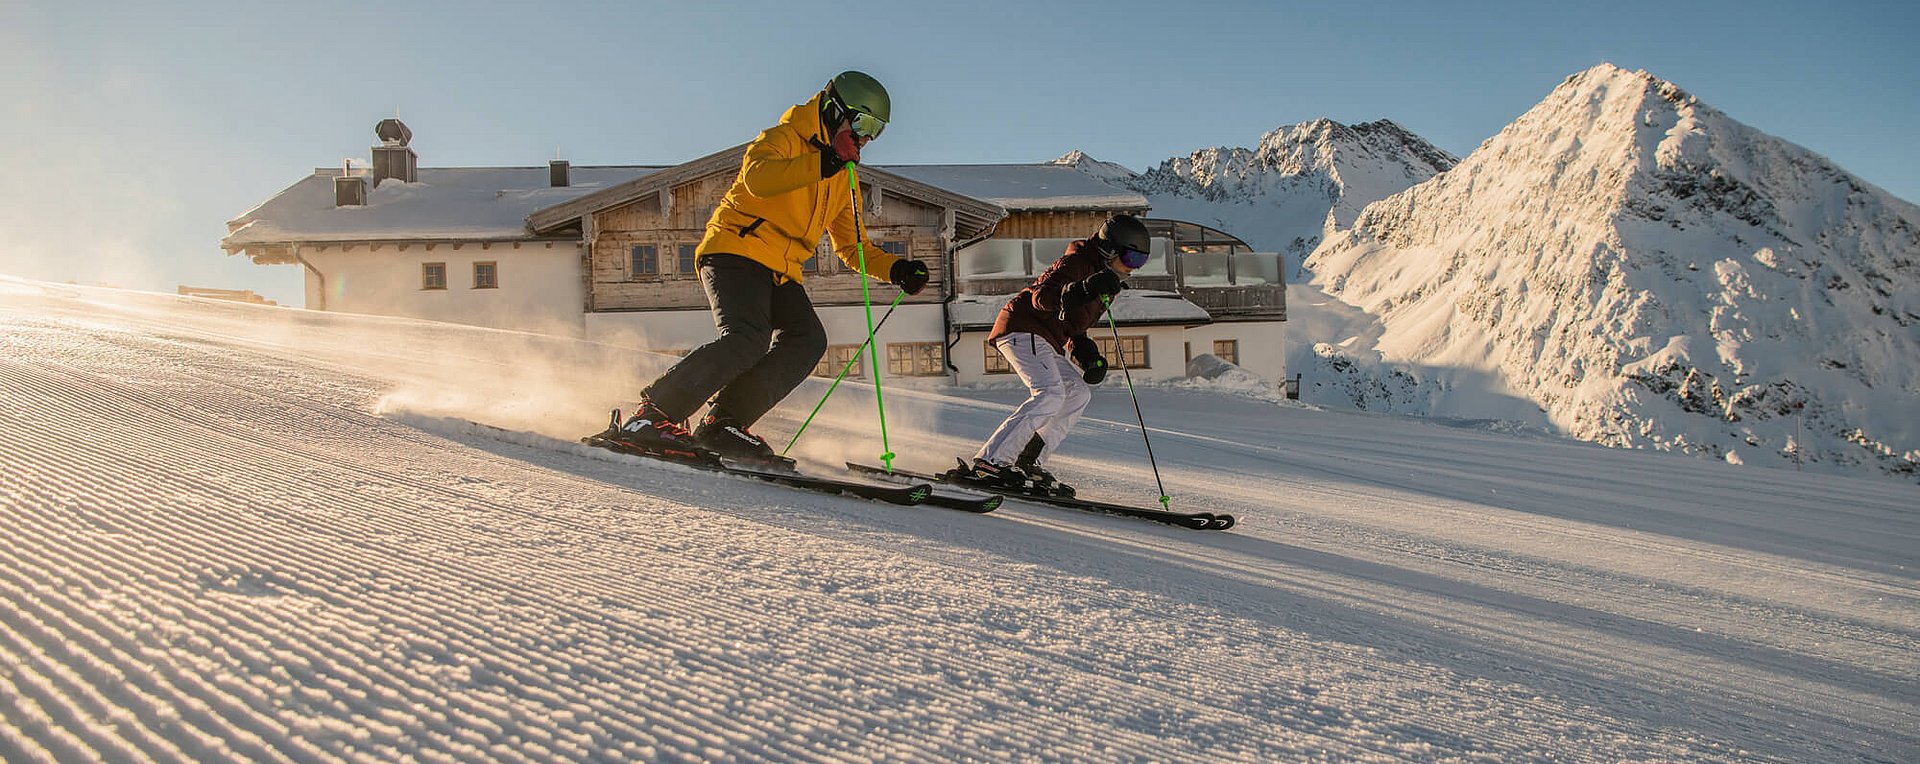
(1623, 264)
(1654, 273)
(1302, 180)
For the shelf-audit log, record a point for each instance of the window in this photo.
(433, 276)
(686, 259)
(894, 247)
(486, 276)
(1133, 351)
(915, 359)
(817, 264)
(996, 363)
(645, 261)
(1227, 350)
(837, 358)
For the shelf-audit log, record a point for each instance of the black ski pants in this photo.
(770, 340)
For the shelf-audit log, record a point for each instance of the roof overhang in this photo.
(286, 252)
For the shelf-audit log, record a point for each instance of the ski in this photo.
(975, 500)
(978, 505)
(905, 495)
(1192, 520)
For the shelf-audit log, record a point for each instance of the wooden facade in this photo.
(1076, 224)
(913, 219)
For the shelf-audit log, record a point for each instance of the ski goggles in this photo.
(867, 126)
(1132, 258)
(864, 125)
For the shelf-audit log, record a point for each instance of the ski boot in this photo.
(988, 476)
(1043, 481)
(650, 433)
(1038, 477)
(729, 438)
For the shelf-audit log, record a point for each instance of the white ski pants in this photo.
(1056, 397)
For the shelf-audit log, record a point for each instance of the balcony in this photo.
(1215, 272)
(1233, 284)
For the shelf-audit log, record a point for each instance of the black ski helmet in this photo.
(1121, 233)
(859, 99)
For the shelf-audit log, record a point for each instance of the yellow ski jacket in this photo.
(779, 205)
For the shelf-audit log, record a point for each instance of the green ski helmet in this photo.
(857, 99)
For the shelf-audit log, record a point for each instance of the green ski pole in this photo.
(860, 245)
(1107, 301)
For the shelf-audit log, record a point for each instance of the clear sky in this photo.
(136, 130)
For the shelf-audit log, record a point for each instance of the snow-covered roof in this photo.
(468, 203)
(1026, 186)
(1135, 307)
(501, 203)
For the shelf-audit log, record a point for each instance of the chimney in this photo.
(349, 190)
(392, 158)
(559, 173)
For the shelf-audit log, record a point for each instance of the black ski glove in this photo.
(829, 164)
(1105, 283)
(1086, 354)
(910, 275)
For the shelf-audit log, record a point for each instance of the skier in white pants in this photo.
(1056, 397)
(1036, 332)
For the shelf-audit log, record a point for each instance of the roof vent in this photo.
(393, 132)
(559, 173)
(392, 158)
(349, 190)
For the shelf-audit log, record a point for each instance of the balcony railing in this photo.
(1222, 283)
(1266, 299)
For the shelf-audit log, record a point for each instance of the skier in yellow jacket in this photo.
(791, 188)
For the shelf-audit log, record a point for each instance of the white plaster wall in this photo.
(540, 285)
(968, 356)
(909, 323)
(1166, 354)
(1262, 345)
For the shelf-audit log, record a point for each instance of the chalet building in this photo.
(1203, 291)
(606, 253)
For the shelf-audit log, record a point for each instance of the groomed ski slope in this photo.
(230, 532)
